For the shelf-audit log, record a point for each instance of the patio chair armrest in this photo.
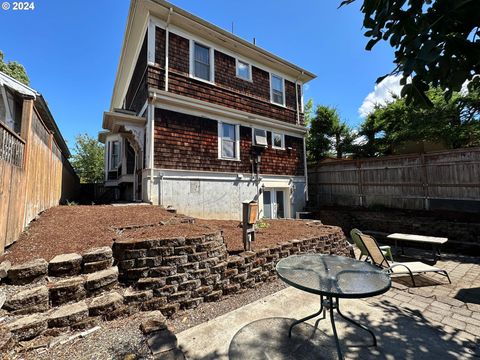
(396, 265)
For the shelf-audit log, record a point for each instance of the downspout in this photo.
(296, 97)
(305, 167)
(151, 114)
(167, 37)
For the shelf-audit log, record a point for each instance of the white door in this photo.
(274, 203)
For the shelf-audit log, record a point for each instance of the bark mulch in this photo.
(67, 229)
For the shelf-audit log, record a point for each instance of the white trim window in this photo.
(277, 89)
(228, 141)
(243, 70)
(259, 137)
(278, 141)
(113, 154)
(201, 62)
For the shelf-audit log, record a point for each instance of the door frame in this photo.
(273, 201)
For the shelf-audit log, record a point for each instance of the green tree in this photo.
(308, 112)
(436, 42)
(87, 159)
(454, 122)
(14, 69)
(327, 132)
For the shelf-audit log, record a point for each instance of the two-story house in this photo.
(203, 120)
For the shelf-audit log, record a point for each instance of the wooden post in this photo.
(426, 200)
(360, 182)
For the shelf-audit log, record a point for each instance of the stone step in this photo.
(28, 327)
(100, 280)
(97, 254)
(65, 265)
(67, 290)
(67, 315)
(105, 303)
(28, 301)
(28, 272)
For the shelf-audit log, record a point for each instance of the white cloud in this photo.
(381, 94)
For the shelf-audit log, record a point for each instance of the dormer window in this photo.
(277, 85)
(201, 62)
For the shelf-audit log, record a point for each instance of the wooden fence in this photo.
(441, 180)
(34, 175)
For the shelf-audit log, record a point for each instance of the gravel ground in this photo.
(121, 338)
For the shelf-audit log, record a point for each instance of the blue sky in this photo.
(71, 50)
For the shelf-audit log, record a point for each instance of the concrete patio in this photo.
(435, 320)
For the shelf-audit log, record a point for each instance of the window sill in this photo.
(278, 148)
(229, 159)
(279, 105)
(202, 80)
(241, 78)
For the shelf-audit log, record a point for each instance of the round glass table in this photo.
(333, 277)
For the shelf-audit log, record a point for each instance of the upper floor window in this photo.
(244, 70)
(277, 86)
(278, 140)
(228, 141)
(202, 67)
(260, 137)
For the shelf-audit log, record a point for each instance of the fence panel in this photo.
(447, 180)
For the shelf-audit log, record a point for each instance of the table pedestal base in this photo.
(329, 303)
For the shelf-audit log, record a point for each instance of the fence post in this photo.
(360, 182)
(426, 200)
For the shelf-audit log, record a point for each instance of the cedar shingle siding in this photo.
(191, 143)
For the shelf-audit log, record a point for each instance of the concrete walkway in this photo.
(259, 331)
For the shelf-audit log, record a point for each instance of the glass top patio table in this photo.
(333, 276)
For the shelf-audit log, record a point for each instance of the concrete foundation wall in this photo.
(218, 195)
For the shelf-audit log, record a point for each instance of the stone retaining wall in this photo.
(160, 274)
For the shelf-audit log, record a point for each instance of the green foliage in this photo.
(14, 69)
(71, 203)
(436, 42)
(454, 123)
(87, 159)
(262, 224)
(308, 112)
(327, 132)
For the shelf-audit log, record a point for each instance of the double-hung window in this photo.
(114, 160)
(278, 140)
(202, 62)
(277, 89)
(228, 141)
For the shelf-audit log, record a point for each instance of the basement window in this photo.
(260, 137)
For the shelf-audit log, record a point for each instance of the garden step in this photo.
(63, 291)
(65, 265)
(105, 303)
(97, 266)
(101, 279)
(68, 315)
(131, 296)
(28, 301)
(28, 272)
(28, 327)
(153, 321)
(97, 254)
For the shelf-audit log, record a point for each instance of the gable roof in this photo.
(41, 106)
(137, 24)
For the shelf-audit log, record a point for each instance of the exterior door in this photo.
(274, 204)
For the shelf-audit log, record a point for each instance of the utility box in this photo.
(250, 212)
(249, 218)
